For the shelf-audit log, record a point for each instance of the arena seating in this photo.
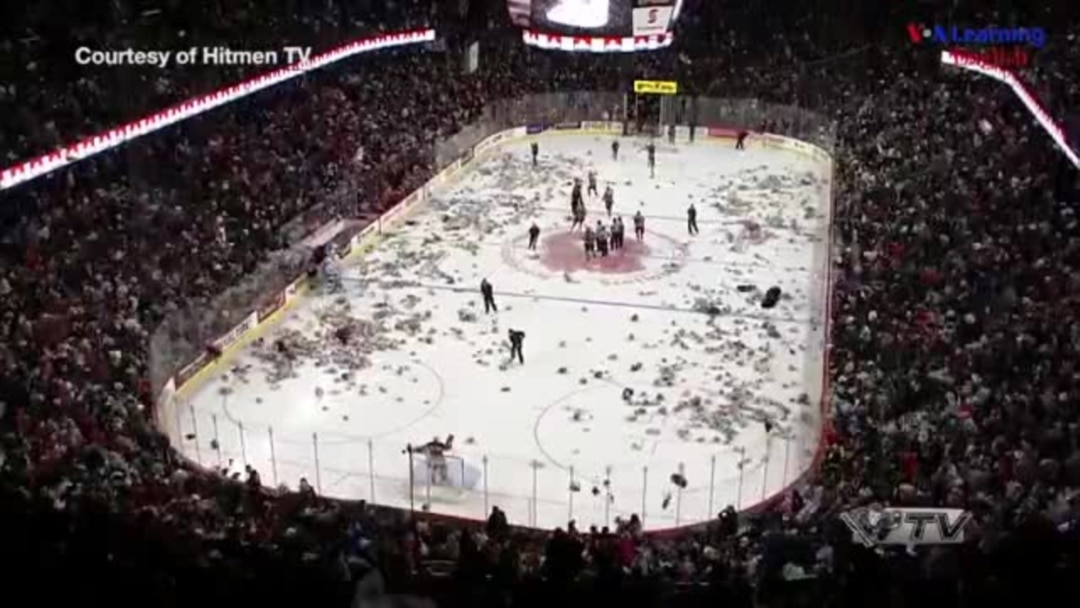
(953, 362)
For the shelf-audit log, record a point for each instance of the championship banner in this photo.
(656, 87)
(652, 20)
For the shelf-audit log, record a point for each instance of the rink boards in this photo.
(187, 380)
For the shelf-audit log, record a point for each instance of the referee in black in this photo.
(488, 292)
(517, 338)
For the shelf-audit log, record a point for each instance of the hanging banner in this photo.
(652, 20)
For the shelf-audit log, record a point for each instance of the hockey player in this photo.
(488, 292)
(617, 232)
(534, 236)
(691, 220)
(575, 194)
(609, 199)
(651, 150)
(590, 243)
(692, 128)
(517, 339)
(671, 134)
(615, 150)
(535, 149)
(578, 213)
(740, 140)
(639, 226)
(436, 451)
(592, 184)
(602, 237)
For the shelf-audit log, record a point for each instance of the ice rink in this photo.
(677, 319)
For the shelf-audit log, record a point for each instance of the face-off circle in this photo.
(562, 252)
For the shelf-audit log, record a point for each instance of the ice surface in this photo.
(678, 320)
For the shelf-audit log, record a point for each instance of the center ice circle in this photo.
(562, 251)
(565, 252)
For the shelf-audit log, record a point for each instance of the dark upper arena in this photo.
(954, 376)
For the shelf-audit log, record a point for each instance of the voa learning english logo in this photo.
(1007, 47)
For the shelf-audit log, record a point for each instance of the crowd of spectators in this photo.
(51, 99)
(953, 374)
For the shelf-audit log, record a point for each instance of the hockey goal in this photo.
(442, 477)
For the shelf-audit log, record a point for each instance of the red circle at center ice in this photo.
(565, 252)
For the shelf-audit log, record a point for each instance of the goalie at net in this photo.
(435, 452)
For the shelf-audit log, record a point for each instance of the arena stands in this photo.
(953, 377)
(53, 100)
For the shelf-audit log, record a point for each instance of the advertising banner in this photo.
(656, 87)
(188, 371)
(722, 132)
(534, 129)
(652, 20)
(293, 289)
(488, 143)
(272, 306)
(610, 127)
(567, 126)
(236, 333)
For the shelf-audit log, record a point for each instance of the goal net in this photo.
(442, 477)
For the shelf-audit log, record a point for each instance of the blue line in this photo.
(597, 302)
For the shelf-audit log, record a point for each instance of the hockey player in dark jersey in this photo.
(639, 226)
(671, 134)
(740, 140)
(578, 214)
(592, 184)
(488, 292)
(535, 148)
(615, 150)
(575, 194)
(517, 340)
(609, 199)
(691, 220)
(602, 237)
(651, 150)
(534, 236)
(590, 244)
(617, 230)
